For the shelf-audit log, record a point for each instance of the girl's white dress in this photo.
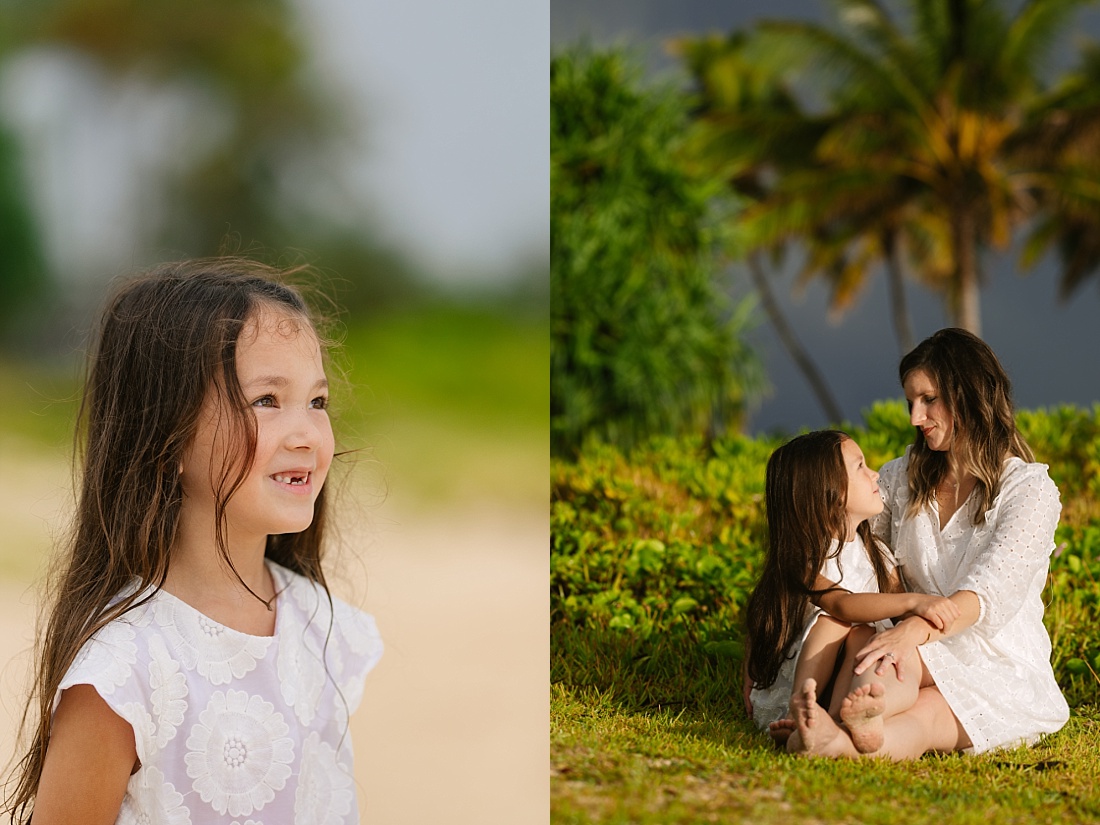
(850, 568)
(996, 675)
(230, 728)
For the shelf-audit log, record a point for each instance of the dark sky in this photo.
(1050, 349)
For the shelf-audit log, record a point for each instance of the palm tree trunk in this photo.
(966, 261)
(790, 341)
(899, 308)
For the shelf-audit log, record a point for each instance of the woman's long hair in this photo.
(806, 498)
(166, 339)
(978, 394)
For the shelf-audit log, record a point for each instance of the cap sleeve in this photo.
(361, 647)
(114, 665)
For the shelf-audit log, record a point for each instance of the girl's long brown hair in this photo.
(806, 498)
(165, 340)
(977, 393)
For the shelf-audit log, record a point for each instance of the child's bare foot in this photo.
(814, 729)
(861, 712)
(781, 731)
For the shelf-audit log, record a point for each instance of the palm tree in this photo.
(944, 121)
(750, 132)
(1062, 147)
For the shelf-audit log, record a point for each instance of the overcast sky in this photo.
(453, 100)
(1051, 350)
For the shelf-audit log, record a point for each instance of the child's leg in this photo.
(818, 657)
(870, 699)
(816, 660)
(858, 636)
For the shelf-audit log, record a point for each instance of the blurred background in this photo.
(401, 149)
(1038, 304)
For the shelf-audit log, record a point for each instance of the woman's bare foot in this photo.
(861, 711)
(781, 731)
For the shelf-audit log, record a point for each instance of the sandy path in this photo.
(453, 725)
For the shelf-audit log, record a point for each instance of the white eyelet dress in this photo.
(233, 729)
(849, 567)
(995, 675)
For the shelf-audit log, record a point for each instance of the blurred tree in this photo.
(942, 119)
(22, 268)
(641, 340)
(267, 132)
(1061, 145)
(751, 133)
(935, 134)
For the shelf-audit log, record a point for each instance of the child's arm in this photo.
(88, 763)
(857, 608)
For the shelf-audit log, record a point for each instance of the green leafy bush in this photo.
(666, 541)
(642, 339)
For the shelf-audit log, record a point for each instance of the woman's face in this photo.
(864, 499)
(928, 411)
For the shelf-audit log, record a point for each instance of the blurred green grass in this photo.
(444, 405)
(454, 402)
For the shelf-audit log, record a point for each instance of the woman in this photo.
(970, 516)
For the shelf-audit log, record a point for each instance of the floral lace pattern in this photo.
(230, 728)
(239, 753)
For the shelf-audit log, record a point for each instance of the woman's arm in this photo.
(88, 764)
(912, 632)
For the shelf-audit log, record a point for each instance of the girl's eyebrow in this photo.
(281, 381)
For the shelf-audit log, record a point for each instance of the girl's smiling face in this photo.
(281, 373)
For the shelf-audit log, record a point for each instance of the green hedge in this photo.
(666, 541)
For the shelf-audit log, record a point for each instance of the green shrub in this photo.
(665, 542)
(642, 339)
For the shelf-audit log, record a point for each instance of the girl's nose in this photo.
(916, 416)
(305, 432)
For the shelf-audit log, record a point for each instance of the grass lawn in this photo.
(659, 737)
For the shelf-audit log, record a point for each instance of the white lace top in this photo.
(850, 567)
(235, 729)
(996, 675)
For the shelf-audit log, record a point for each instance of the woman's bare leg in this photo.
(929, 725)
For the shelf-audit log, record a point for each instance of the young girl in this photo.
(194, 668)
(823, 573)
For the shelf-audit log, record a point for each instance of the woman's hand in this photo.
(892, 647)
(940, 611)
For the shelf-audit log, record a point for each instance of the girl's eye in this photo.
(319, 403)
(264, 401)
(929, 400)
